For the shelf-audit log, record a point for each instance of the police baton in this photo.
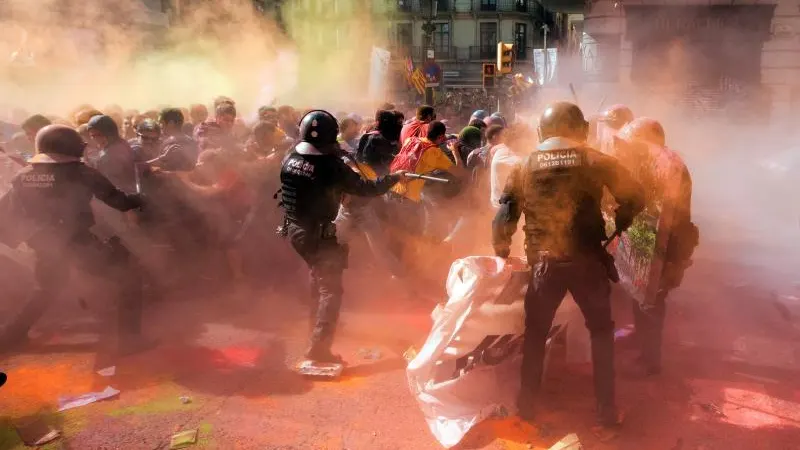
(137, 177)
(426, 178)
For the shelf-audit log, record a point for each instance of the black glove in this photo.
(611, 269)
(622, 220)
(138, 199)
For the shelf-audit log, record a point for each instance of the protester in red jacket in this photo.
(418, 127)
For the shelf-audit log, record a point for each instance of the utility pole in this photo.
(545, 29)
(430, 10)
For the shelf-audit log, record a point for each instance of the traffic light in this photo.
(505, 58)
(488, 75)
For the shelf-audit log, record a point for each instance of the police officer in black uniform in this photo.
(313, 180)
(559, 189)
(48, 208)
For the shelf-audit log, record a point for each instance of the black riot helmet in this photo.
(563, 119)
(148, 126)
(319, 128)
(59, 140)
(617, 116)
(643, 129)
(105, 125)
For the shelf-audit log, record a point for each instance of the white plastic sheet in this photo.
(469, 368)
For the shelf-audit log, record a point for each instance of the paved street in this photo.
(730, 382)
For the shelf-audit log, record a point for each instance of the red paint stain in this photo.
(183, 359)
(238, 356)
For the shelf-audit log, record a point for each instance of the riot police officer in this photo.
(617, 116)
(48, 208)
(559, 189)
(313, 180)
(662, 167)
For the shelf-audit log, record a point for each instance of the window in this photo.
(404, 37)
(521, 5)
(441, 39)
(488, 5)
(521, 40)
(404, 5)
(442, 6)
(488, 36)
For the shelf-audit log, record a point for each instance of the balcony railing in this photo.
(473, 53)
(443, 53)
(463, 6)
(483, 52)
(399, 51)
(419, 54)
(521, 6)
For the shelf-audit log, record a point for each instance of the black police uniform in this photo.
(48, 208)
(313, 180)
(559, 189)
(646, 161)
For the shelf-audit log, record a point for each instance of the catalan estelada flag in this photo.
(409, 66)
(418, 80)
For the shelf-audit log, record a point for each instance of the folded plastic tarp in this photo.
(469, 368)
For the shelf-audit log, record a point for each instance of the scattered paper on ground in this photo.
(183, 439)
(568, 442)
(65, 403)
(108, 371)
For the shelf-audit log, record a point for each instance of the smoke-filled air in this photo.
(399, 224)
(218, 48)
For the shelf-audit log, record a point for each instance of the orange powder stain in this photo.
(31, 387)
(345, 382)
(512, 433)
(237, 356)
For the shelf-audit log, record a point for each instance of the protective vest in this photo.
(561, 194)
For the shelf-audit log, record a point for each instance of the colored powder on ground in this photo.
(162, 399)
(161, 406)
(191, 359)
(70, 423)
(513, 433)
(345, 382)
(238, 356)
(9, 439)
(204, 435)
(33, 386)
(752, 409)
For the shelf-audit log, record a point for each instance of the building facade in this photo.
(707, 55)
(466, 33)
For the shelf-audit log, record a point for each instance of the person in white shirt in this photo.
(503, 159)
(510, 146)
